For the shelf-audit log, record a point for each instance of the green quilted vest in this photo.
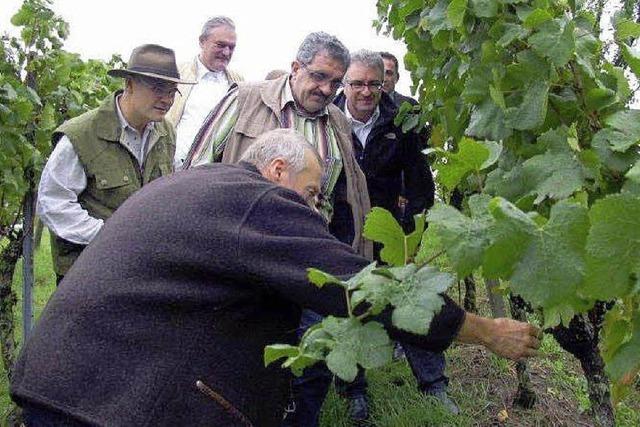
(112, 172)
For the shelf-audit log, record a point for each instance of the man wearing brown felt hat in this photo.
(104, 155)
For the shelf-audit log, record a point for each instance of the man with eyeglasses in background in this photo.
(300, 100)
(387, 155)
(210, 70)
(105, 155)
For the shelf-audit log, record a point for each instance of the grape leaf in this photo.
(553, 175)
(612, 247)
(533, 109)
(626, 29)
(464, 238)
(418, 299)
(546, 262)
(470, 157)
(320, 278)
(398, 248)
(367, 345)
(536, 18)
(484, 8)
(600, 98)
(621, 346)
(623, 131)
(488, 122)
(633, 59)
(436, 20)
(456, 11)
(555, 41)
(511, 33)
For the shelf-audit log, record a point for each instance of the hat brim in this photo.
(128, 73)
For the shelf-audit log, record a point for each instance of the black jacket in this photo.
(388, 155)
(188, 281)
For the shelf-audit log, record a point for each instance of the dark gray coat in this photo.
(188, 281)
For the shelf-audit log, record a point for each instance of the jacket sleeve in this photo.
(62, 181)
(281, 237)
(419, 188)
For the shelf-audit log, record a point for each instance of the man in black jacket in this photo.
(387, 156)
(163, 319)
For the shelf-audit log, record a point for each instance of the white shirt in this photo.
(362, 130)
(211, 87)
(63, 179)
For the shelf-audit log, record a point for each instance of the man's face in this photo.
(314, 85)
(151, 98)
(390, 75)
(217, 48)
(306, 182)
(362, 90)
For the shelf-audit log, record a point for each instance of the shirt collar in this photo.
(287, 98)
(123, 121)
(371, 121)
(202, 70)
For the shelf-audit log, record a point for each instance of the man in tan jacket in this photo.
(209, 69)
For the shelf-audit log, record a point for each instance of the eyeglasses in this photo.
(374, 86)
(160, 89)
(321, 78)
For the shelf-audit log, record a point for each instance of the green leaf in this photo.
(533, 109)
(456, 11)
(553, 175)
(498, 98)
(618, 162)
(613, 265)
(624, 129)
(380, 226)
(495, 149)
(320, 278)
(464, 238)
(536, 18)
(470, 157)
(476, 87)
(361, 277)
(632, 58)
(511, 33)
(600, 98)
(21, 17)
(634, 173)
(484, 8)
(626, 29)
(419, 299)
(546, 262)
(367, 345)
(278, 351)
(554, 41)
(436, 20)
(488, 122)
(48, 118)
(621, 346)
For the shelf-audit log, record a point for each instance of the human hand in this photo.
(505, 337)
(513, 339)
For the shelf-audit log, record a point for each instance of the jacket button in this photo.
(126, 178)
(103, 182)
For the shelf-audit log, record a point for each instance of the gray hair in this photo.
(369, 59)
(286, 144)
(318, 42)
(216, 21)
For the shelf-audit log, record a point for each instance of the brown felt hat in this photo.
(152, 60)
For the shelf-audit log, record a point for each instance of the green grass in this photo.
(483, 385)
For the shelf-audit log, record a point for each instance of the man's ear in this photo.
(274, 170)
(295, 67)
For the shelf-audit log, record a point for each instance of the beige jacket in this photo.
(189, 71)
(259, 111)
